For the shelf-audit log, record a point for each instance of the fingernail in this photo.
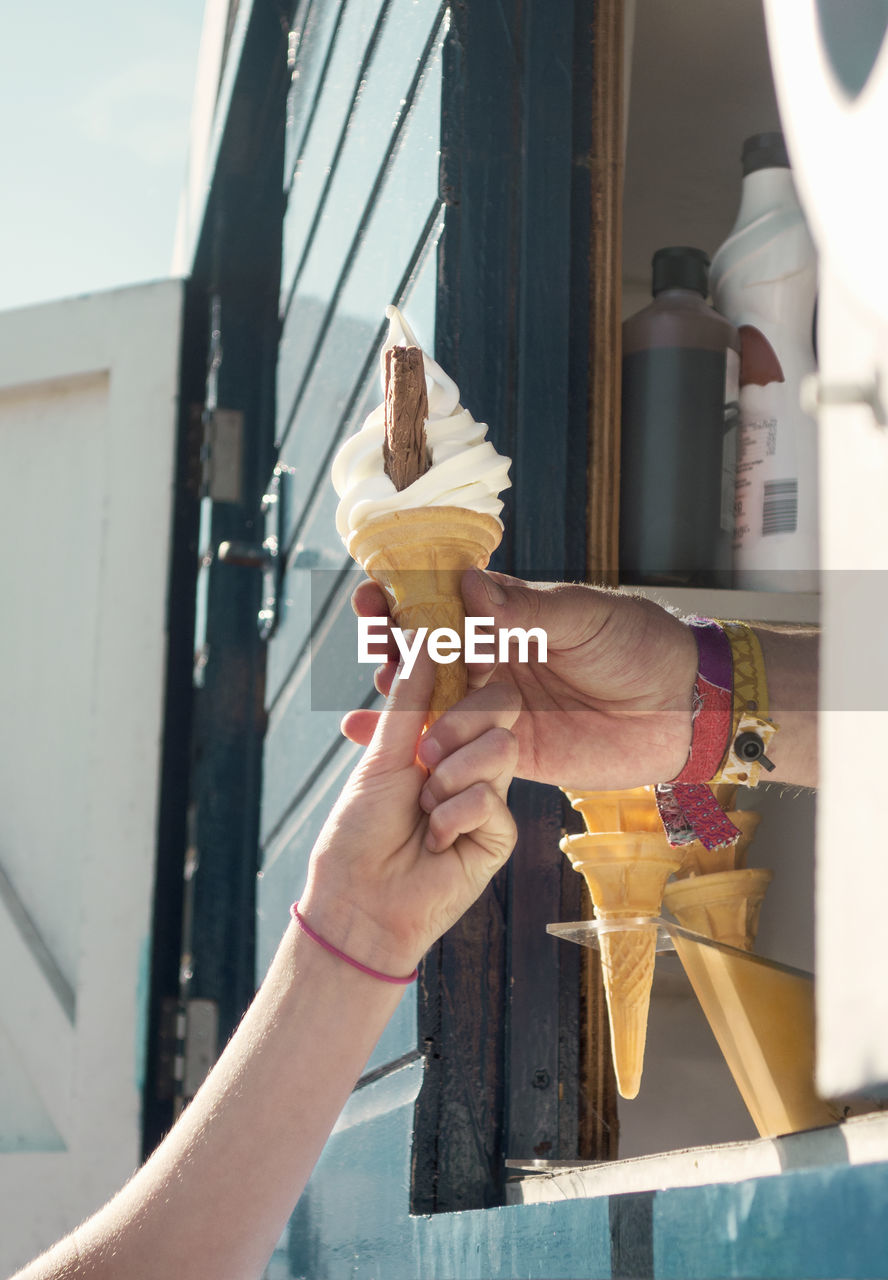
(432, 843)
(492, 590)
(430, 752)
(427, 801)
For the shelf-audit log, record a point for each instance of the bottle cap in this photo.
(764, 151)
(680, 268)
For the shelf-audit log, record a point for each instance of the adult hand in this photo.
(611, 706)
(405, 852)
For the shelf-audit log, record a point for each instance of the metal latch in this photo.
(265, 556)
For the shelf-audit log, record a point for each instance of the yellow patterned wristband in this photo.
(751, 729)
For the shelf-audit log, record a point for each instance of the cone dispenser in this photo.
(761, 1012)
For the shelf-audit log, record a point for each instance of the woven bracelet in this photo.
(712, 703)
(688, 809)
(730, 736)
(751, 729)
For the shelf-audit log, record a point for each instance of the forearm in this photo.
(214, 1198)
(387, 877)
(791, 665)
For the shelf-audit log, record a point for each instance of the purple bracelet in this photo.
(355, 964)
(711, 724)
(688, 808)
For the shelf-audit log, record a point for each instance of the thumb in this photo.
(569, 613)
(398, 730)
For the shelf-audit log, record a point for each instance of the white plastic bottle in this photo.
(764, 280)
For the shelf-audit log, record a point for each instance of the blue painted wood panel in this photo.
(312, 47)
(348, 279)
(281, 881)
(830, 1222)
(361, 229)
(397, 262)
(341, 391)
(366, 1166)
(814, 1223)
(364, 108)
(285, 859)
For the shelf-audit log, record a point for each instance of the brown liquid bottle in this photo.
(681, 363)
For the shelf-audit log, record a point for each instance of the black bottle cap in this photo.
(680, 268)
(764, 151)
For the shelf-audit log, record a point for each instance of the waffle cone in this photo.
(723, 906)
(697, 860)
(418, 557)
(631, 810)
(627, 966)
(625, 873)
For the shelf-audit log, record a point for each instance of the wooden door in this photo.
(88, 404)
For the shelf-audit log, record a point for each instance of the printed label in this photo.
(780, 507)
(729, 441)
(756, 441)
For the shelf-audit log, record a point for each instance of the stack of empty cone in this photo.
(625, 859)
(714, 892)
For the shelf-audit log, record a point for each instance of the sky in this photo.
(95, 103)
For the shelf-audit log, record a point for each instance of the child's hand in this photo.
(406, 851)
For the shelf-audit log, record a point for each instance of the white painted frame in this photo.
(836, 145)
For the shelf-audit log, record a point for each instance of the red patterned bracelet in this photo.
(355, 964)
(713, 702)
(688, 809)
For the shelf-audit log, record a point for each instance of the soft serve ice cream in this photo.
(416, 541)
(466, 471)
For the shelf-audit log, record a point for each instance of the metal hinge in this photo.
(221, 455)
(189, 1039)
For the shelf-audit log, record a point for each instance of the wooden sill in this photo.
(859, 1140)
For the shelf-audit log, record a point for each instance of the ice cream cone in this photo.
(699, 861)
(723, 906)
(624, 870)
(418, 556)
(631, 810)
(625, 873)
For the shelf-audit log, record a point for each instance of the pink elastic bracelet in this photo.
(355, 964)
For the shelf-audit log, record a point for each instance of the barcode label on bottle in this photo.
(780, 507)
